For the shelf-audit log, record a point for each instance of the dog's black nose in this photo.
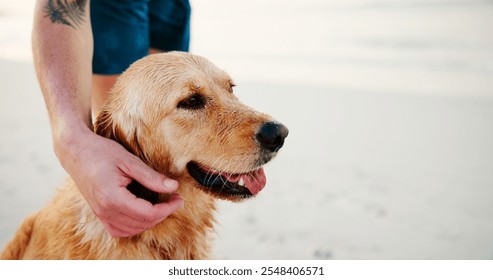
(271, 136)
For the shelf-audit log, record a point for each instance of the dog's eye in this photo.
(193, 102)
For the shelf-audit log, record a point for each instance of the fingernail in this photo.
(170, 184)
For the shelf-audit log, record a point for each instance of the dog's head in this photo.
(177, 112)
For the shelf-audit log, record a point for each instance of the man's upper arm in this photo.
(67, 12)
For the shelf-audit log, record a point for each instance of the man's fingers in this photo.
(142, 210)
(146, 176)
(121, 225)
(115, 231)
(127, 225)
(164, 209)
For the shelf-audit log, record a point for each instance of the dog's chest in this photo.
(186, 234)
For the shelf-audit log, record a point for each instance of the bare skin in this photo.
(101, 85)
(101, 168)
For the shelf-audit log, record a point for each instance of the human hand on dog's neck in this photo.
(62, 51)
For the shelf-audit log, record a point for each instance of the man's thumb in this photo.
(151, 179)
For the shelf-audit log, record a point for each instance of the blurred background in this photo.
(390, 111)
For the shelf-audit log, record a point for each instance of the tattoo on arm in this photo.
(67, 12)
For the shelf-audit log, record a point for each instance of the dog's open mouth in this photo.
(226, 184)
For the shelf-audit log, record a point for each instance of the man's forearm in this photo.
(62, 51)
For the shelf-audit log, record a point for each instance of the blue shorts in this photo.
(124, 30)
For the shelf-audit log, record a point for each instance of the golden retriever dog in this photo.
(177, 112)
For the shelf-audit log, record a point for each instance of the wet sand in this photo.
(390, 111)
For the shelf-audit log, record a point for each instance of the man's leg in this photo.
(101, 85)
(121, 36)
(169, 25)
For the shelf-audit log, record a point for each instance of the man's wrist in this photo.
(67, 137)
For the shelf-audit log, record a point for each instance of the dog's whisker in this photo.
(210, 174)
(223, 179)
(213, 168)
(230, 164)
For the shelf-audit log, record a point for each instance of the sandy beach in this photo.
(390, 111)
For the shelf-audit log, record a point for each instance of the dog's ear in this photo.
(106, 127)
(104, 124)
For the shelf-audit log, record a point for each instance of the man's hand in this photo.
(102, 169)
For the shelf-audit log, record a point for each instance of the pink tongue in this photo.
(255, 180)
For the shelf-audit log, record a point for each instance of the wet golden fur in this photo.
(142, 115)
